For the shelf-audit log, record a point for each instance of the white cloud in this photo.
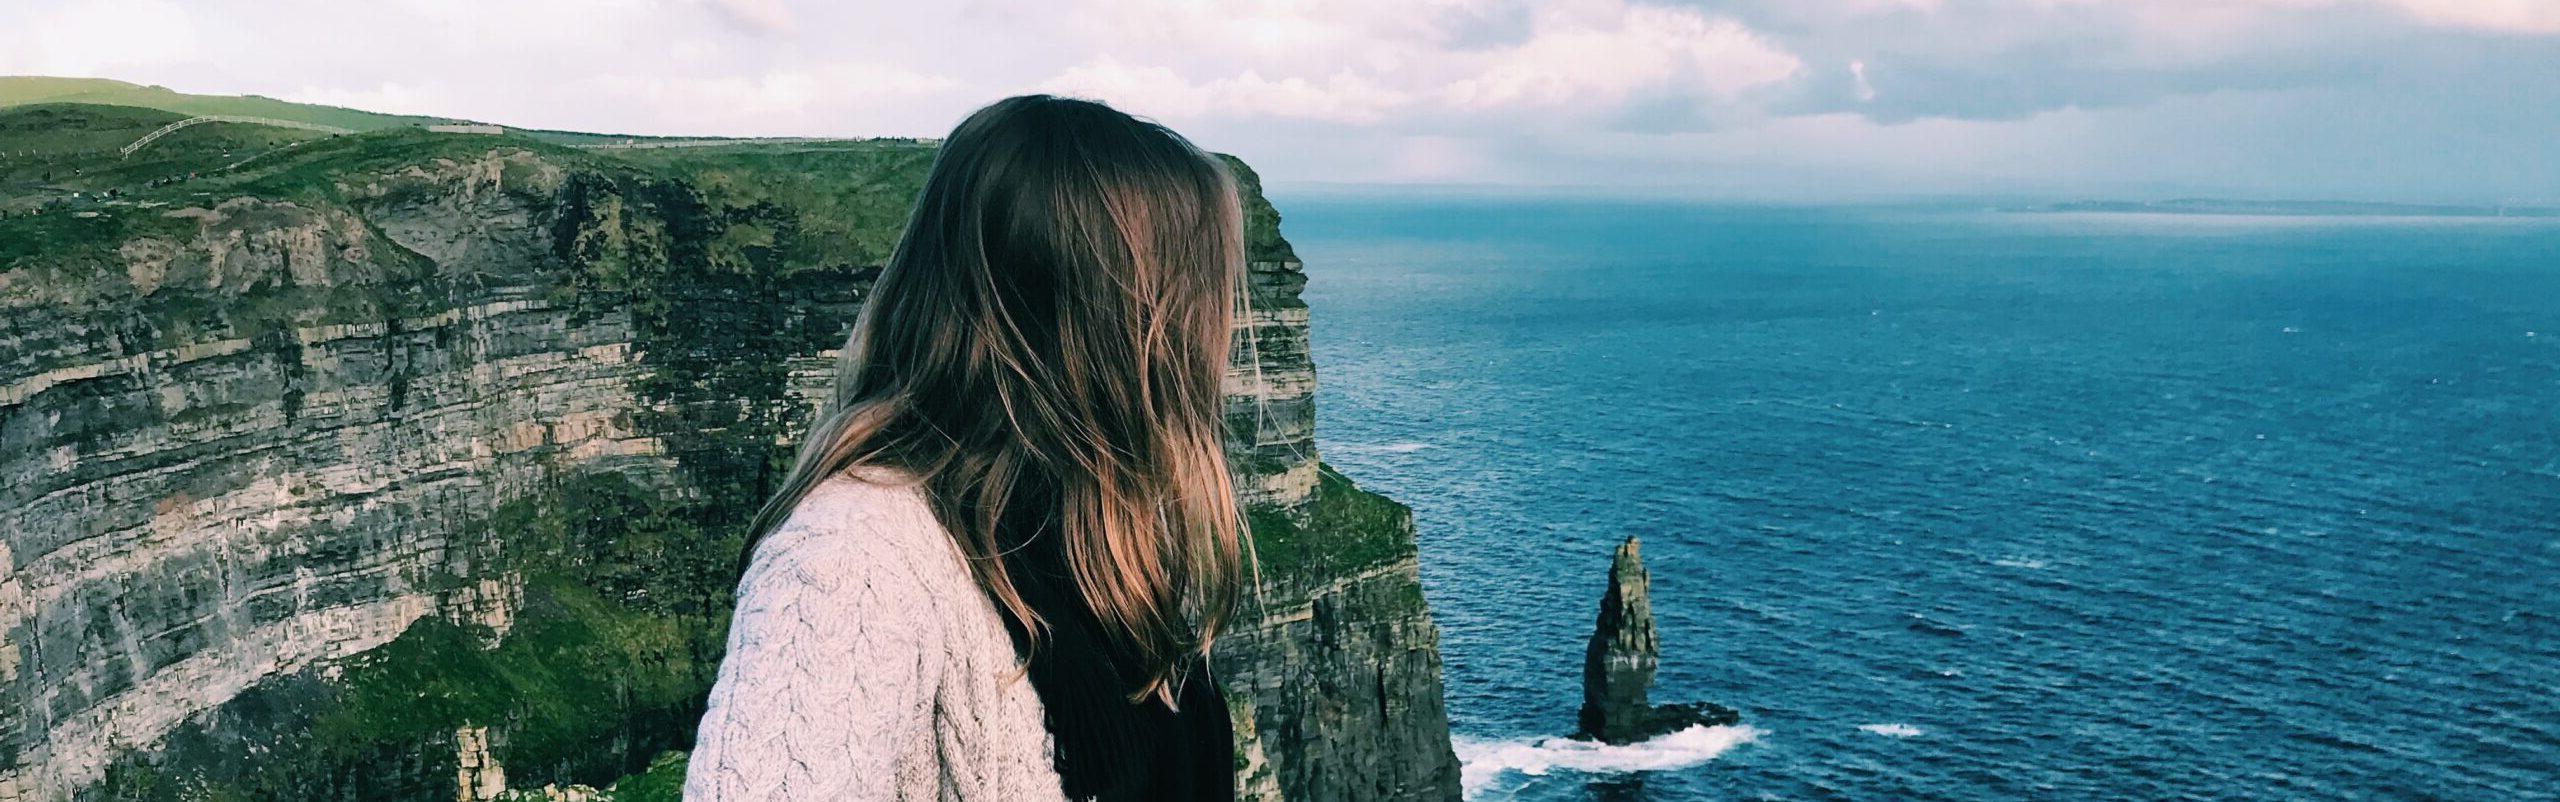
(1374, 62)
(1772, 93)
(2512, 16)
(92, 38)
(1604, 52)
(392, 97)
(1343, 97)
(849, 94)
(780, 91)
(760, 16)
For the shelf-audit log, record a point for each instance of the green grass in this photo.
(70, 238)
(57, 130)
(316, 170)
(1342, 529)
(848, 201)
(663, 782)
(22, 89)
(18, 90)
(52, 150)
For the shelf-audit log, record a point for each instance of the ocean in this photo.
(1966, 504)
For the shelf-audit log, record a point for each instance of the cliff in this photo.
(406, 465)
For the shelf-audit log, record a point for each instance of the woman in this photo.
(995, 570)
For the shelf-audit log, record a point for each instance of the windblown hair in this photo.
(1044, 351)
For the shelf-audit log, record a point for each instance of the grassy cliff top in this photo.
(61, 142)
(20, 90)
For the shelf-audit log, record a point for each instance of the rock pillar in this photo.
(1617, 668)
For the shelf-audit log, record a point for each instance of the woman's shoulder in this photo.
(868, 525)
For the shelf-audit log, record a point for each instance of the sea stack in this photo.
(1617, 668)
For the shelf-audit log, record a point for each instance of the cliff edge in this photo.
(409, 465)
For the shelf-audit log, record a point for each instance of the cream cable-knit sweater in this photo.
(865, 664)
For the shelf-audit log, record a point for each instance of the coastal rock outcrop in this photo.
(406, 466)
(1619, 663)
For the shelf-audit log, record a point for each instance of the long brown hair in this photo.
(1044, 352)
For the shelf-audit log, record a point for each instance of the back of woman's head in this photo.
(1045, 351)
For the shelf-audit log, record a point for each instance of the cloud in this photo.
(94, 38)
(1437, 159)
(2512, 16)
(756, 16)
(2012, 59)
(782, 93)
(2335, 97)
(1605, 52)
(1343, 97)
(1456, 64)
(392, 97)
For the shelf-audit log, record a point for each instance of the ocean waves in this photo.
(2066, 502)
(1496, 768)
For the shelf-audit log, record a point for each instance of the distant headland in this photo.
(2300, 208)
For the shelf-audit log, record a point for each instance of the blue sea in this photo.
(1966, 504)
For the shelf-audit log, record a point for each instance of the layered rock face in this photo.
(1337, 638)
(1339, 641)
(406, 444)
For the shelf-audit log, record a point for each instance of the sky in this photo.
(2398, 100)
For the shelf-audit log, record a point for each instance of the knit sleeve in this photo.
(829, 679)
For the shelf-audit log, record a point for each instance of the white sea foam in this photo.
(2021, 562)
(1403, 448)
(1896, 730)
(1485, 762)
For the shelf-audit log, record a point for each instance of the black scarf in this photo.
(1109, 748)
